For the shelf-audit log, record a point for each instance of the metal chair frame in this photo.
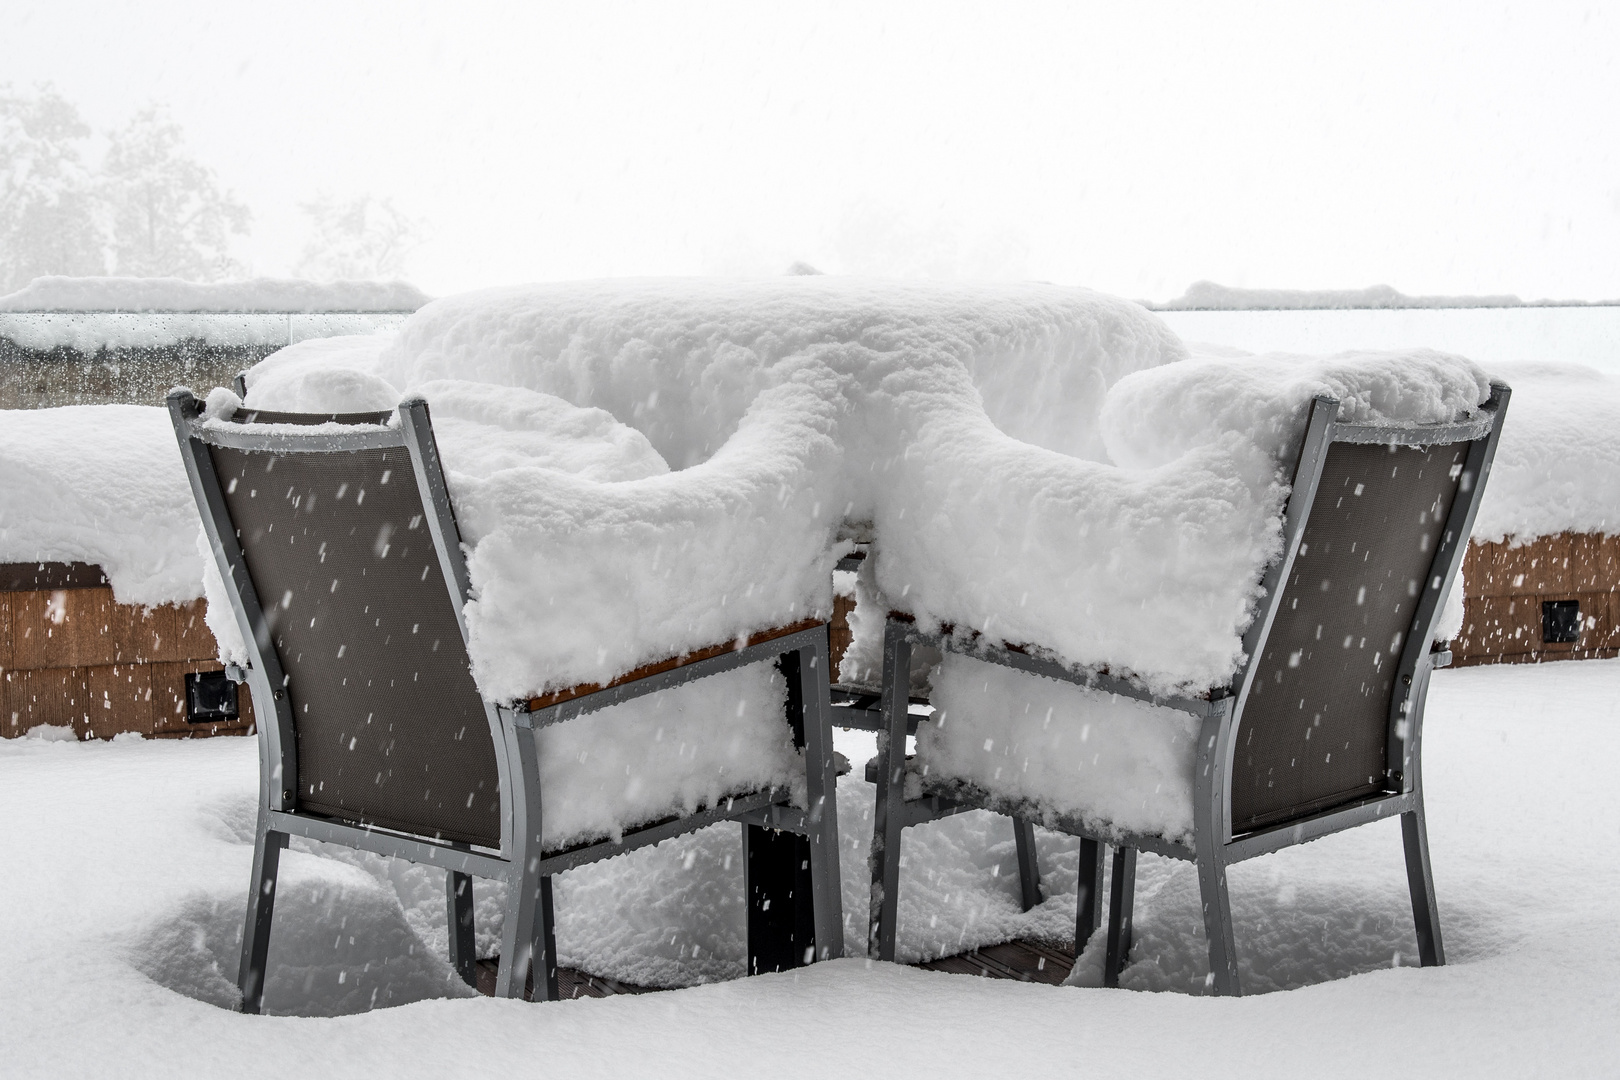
(800, 878)
(1215, 845)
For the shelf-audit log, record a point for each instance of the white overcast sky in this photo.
(1472, 148)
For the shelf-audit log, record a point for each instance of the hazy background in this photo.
(1465, 148)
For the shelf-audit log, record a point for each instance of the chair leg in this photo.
(1223, 973)
(1420, 879)
(1088, 900)
(458, 902)
(889, 813)
(821, 783)
(528, 965)
(1029, 869)
(517, 937)
(547, 946)
(1121, 898)
(261, 908)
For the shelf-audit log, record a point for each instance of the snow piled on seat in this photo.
(1165, 571)
(1123, 766)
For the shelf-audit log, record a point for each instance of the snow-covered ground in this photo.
(125, 866)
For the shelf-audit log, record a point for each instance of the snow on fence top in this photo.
(244, 318)
(131, 294)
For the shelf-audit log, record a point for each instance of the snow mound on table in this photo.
(174, 294)
(1034, 466)
(1122, 766)
(101, 484)
(1557, 467)
(683, 359)
(771, 399)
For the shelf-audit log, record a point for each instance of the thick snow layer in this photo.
(776, 403)
(1031, 464)
(970, 426)
(1120, 765)
(1558, 465)
(1150, 565)
(140, 933)
(176, 295)
(101, 484)
(669, 753)
(332, 374)
(683, 359)
(1157, 417)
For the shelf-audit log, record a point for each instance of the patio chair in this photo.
(373, 734)
(1376, 526)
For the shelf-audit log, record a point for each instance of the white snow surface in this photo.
(329, 374)
(1158, 417)
(1557, 467)
(972, 425)
(142, 927)
(1122, 766)
(674, 752)
(101, 484)
(771, 399)
(642, 468)
(177, 295)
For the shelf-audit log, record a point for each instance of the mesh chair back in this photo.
(391, 730)
(1314, 731)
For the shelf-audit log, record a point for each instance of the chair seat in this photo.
(1120, 766)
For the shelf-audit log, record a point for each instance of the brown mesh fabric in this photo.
(1315, 729)
(391, 729)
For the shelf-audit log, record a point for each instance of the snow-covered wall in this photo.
(101, 484)
(1558, 465)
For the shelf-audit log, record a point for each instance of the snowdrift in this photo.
(1039, 463)
(101, 484)
(642, 468)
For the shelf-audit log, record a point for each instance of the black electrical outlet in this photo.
(1560, 622)
(210, 698)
